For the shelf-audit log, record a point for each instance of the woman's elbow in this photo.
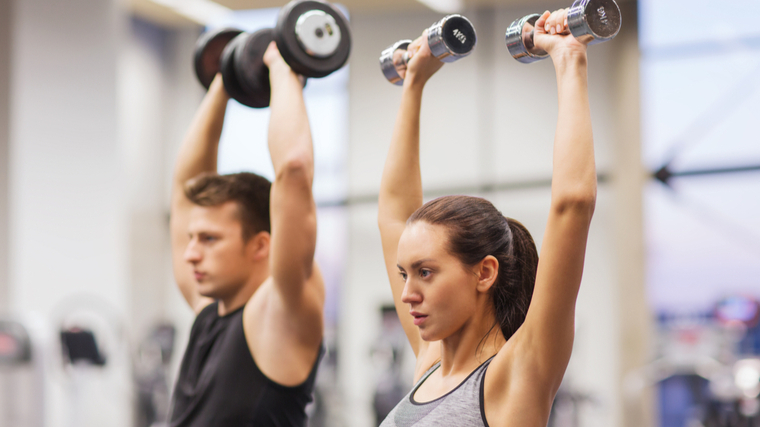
(581, 202)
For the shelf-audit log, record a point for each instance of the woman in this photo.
(491, 327)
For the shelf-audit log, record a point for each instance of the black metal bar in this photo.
(716, 171)
(665, 174)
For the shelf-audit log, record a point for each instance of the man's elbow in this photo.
(297, 167)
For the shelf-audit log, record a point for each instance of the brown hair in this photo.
(248, 190)
(477, 229)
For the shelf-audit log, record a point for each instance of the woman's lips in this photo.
(418, 317)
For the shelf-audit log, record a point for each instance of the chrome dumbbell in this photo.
(450, 39)
(589, 21)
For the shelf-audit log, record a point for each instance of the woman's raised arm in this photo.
(401, 184)
(545, 341)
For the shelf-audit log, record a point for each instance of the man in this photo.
(255, 344)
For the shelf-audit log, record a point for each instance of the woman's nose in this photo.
(410, 295)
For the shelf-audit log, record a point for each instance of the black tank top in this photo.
(219, 383)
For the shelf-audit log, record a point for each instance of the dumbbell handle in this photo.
(589, 21)
(393, 61)
(449, 39)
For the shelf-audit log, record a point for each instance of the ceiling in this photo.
(166, 16)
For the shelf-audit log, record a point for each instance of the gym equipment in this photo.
(15, 344)
(589, 21)
(79, 345)
(245, 76)
(151, 371)
(22, 372)
(208, 51)
(313, 38)
(450, 39)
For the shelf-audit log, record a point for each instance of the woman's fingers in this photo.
(563, 20)
(541, 23)
(415, 46)
(556, 22)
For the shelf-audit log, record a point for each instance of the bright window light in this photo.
(200, 11)
(444, 6)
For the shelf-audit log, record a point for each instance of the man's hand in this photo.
(273, 59)
(277, 65)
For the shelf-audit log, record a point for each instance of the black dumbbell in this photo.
(208, 51)
(450, 39)
(313, 37)
(590, 21)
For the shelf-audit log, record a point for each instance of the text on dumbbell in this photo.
(602, 15)
(460, 36)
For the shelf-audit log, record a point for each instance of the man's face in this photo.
(222, 263)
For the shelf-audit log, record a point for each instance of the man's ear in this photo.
(487, 271)
(257, 247)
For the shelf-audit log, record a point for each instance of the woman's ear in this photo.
(257, 247)
(488, 270)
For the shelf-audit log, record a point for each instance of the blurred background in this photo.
(95, 96)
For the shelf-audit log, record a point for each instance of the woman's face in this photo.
(440, 290)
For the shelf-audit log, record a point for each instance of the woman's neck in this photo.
(472, 345)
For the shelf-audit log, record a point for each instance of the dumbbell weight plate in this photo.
(208, 53)
(594, 21)
(313, 37)
(251, 72)
(393, 63)
(520, 40)
(452, 38)
(232, 82)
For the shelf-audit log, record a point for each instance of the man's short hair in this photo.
(248, 190)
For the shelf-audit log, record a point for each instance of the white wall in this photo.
(5, 84)
(68, 246)
(67, 216)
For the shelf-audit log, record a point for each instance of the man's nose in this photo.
(192, 254)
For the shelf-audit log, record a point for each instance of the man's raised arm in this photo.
(293, 212)
(198, 154)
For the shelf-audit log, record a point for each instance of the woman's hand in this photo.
(422, 64)
(552, 34)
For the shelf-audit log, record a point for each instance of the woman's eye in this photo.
(403, 276)
(425, 273)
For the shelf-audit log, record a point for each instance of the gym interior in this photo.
(95, 97)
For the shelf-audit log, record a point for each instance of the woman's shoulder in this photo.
(512, 382)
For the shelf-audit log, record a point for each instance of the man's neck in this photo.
(245, 293)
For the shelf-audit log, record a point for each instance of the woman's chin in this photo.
(429, 336)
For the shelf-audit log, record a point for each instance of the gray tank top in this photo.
(461, 407)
